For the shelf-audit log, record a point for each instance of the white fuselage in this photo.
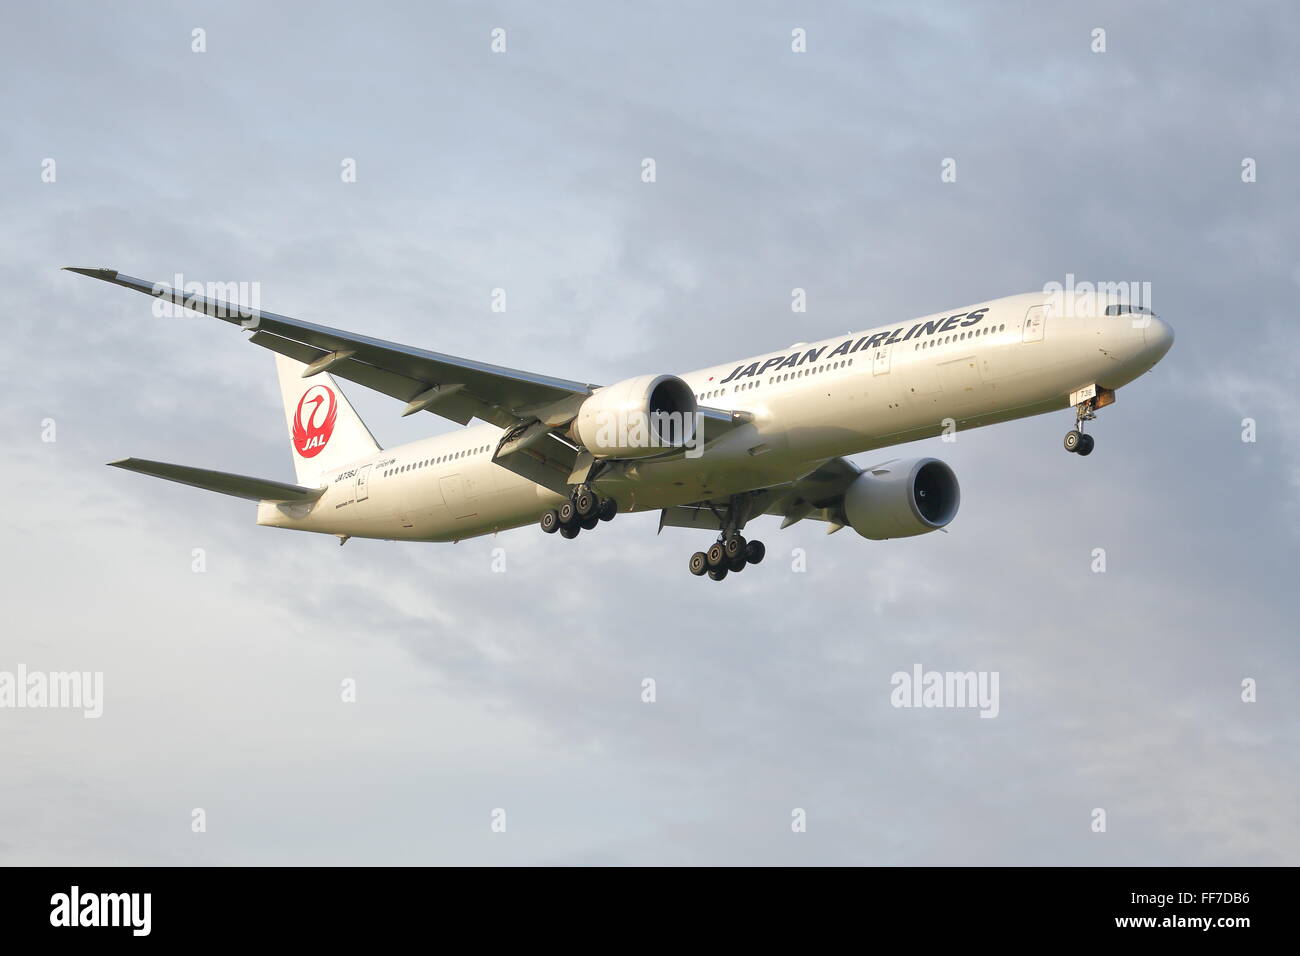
(996, 361)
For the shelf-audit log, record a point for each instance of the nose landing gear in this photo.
(1086, 401)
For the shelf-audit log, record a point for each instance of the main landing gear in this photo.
(582, 512)
(731, 552)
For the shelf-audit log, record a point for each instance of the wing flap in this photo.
(689, 516)
(222, 482)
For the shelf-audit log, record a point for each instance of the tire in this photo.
(585, 504)
(550, 521)
(1085, 445)
(608, 509)
(737, 563)
(567, 514)
(569, 530)
(717, 574)
(699, 563)
(715, 555)
(734, 547)
(755, 552)
(1073, 438)
(589, 522)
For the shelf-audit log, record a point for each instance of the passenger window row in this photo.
(809, 370)
(958, 337)
(425, 463)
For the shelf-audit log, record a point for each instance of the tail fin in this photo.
(324, 429)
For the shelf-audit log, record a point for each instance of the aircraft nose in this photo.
(1158, 337)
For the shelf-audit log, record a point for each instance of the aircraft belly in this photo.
(642, 486)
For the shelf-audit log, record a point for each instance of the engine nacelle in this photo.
(902, 498)
(638, 417)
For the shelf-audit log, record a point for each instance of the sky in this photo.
(499, 714)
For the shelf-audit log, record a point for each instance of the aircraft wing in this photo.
(529, 406)
(455, 388)
(818, 494)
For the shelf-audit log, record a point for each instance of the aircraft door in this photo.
(363, 483)
(880, 362)
(1035, 323)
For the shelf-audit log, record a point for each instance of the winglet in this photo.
(108, 275)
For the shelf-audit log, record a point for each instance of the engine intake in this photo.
(638, 417)
(902, 498)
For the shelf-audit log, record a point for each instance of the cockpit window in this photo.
(1127, 309)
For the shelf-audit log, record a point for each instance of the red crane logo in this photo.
(313, 422)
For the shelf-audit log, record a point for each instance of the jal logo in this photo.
(313, 422)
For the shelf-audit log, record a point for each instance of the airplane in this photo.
(712, 449)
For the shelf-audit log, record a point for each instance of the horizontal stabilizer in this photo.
(239, 486)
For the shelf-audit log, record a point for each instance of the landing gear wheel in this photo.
(716, 555)
(699, 563)
(734, 547)
(1085, 445)
(737, 563)
(1073, 438)
(608, 509)
(567, 514)
(754, 552)
(589, 522)
(551, 521)
(585, 504)
(717, 574)
(569, 530)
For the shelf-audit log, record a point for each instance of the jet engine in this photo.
(638, 417)
(902, 498)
